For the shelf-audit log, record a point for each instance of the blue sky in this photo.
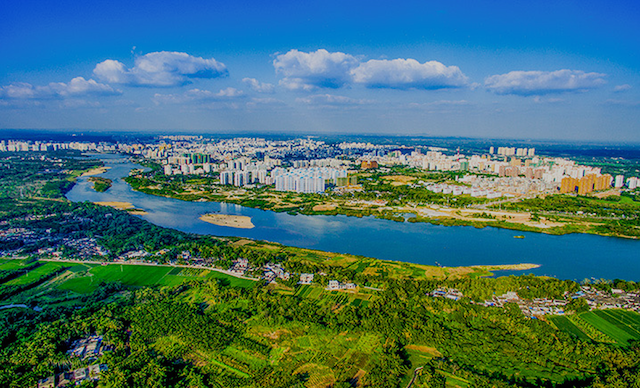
(508, 69)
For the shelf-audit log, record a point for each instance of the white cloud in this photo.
(323, 69)
(621, 88)
(408, 73)
(329, 99)
(160, 69)
(307, 71)
(257, 86)
(536, 83)
(77, 87)
(198, 95)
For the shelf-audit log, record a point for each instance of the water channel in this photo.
(574, 256)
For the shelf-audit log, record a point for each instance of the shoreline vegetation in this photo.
(232, 221)
(549, 221)
(100, 184)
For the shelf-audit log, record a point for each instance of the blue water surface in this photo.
(573, 256)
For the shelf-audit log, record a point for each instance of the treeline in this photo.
(165, 338)
(43, 174)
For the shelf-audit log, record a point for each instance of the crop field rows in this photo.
(84, 278)
(36, 273)
(333, 297)
(610, 326)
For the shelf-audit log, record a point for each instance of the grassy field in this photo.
(620, 326)
(143, 275)
(36, 273)
(606, 324)
(10, 264)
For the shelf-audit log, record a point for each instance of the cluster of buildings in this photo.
(89, 348)
(43, 146)
(585, 184)
(596, 299)
(74, 377)
(306, 278)
(239, 267)
(335, 285)
(307, 180)
(272, 271)
(511, 151)
(55, 245)
(508, 186)
(247, 161)
(463, 190)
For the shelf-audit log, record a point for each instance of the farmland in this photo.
(609, 326)
(30, 276)
(142, 275)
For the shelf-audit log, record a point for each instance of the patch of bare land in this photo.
(128, 206)
(137, 212)
(323, 208)
(232, 221)
(424, 349)
(240, 243)
(96, 171)
(116, 205)
(512, 267)
(482, 216)
(398, 180)
(608, 193)
(463, 271)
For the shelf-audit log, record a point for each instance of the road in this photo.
(415, 375)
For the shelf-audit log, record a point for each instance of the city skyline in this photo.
(552, 70)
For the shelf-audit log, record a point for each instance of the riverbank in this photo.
(128, 206)
(95, 171)
(100, 184)
(232, 221)
(313, 204)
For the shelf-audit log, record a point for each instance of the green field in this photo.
(142, 275)
(33, 275)
(9, 264)
(564, 324)
(620, 326)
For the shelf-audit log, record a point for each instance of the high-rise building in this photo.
(586, 184)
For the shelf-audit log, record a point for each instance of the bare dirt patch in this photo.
(241, 222)
(398, 180)
(96, 171)
(323, 207)
(608, 193)
(424, 349)
(116, 205)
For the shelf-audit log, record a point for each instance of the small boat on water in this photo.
(520, 236)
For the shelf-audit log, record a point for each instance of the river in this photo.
(573, 256)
